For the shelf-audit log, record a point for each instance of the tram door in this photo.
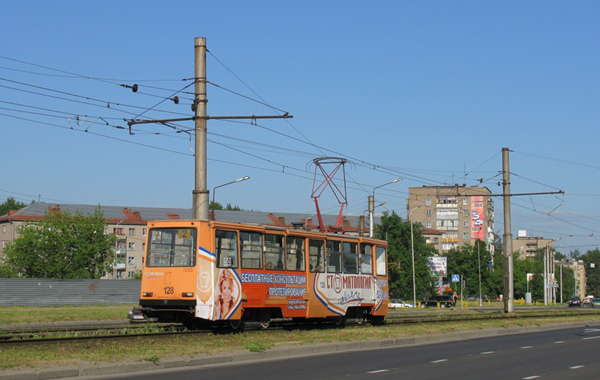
(317, 286)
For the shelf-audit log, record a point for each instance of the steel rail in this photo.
(20, 338)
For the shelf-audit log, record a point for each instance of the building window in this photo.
(131, 245)
(4, 228)
(466, 236)
(131, 260)
(118, 231)
(143, 232)
(143, 246)
(428, 201)
(130, 274)
(465, 201)
(428, 224)
(436, 240)
(132, 232)
(465, 223)
(105, 230)
(428, 212)
(465, 212)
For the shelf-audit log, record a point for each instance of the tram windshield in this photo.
(171, 247)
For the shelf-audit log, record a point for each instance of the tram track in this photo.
(21, 336)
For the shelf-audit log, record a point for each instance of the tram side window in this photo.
(295, 253)
(350, 258)
(381, 261)
(172, 247)
(334, 256)
(274, 252)
(366, 258)
(251, 248)
(226, 249)
(316, 255)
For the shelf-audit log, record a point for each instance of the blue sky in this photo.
(427, 91)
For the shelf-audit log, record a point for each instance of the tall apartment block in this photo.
(463, 214)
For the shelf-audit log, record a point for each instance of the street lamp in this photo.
(412, 243)
(548, 272)
(225, 184)
(372, 203)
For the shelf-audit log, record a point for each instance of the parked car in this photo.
(443, 300)
(575, 301)
(587, 301)
(596, 301)
(398, 304)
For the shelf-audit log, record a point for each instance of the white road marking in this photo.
(524, 347)
(439, 361)
(531, 377)
(591, 337)
(592, 330)
(379, 371)
(559, 341)
(487, 353)
(576, 367)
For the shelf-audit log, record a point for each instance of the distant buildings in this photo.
(460, 214)
(129, 226)
(528, 247)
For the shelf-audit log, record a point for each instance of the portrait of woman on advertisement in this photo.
(226, 294)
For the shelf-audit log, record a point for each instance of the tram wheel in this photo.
(265, 319)
(340, 322)
(236, 325)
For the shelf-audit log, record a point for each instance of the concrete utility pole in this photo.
(200, 192)
(200, 202)
(508, 251)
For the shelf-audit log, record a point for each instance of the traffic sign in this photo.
(455, 278)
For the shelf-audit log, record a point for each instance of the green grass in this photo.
(156, 349)
(48, 314)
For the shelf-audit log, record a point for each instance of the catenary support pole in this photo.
(200, 192)
(508, 253)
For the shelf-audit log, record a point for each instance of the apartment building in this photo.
(528, 247)
(578, 267)
(463, 214)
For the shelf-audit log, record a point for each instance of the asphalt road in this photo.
(570, 353)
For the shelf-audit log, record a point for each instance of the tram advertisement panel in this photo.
(204, 292)
(284, 289)
(338, 292)
(228, 292)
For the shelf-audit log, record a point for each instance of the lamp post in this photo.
(479, 267)
(548, 273)
(412, 243)
(225, 184)
(372, 204)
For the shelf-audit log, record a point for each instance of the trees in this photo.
(10, 204)
(468, 260)
(397, 233)
(62, 246)
(218, 206)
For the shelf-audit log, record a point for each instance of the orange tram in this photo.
(211, 274)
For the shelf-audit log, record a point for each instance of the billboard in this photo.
(438, 266)
(477, 218)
